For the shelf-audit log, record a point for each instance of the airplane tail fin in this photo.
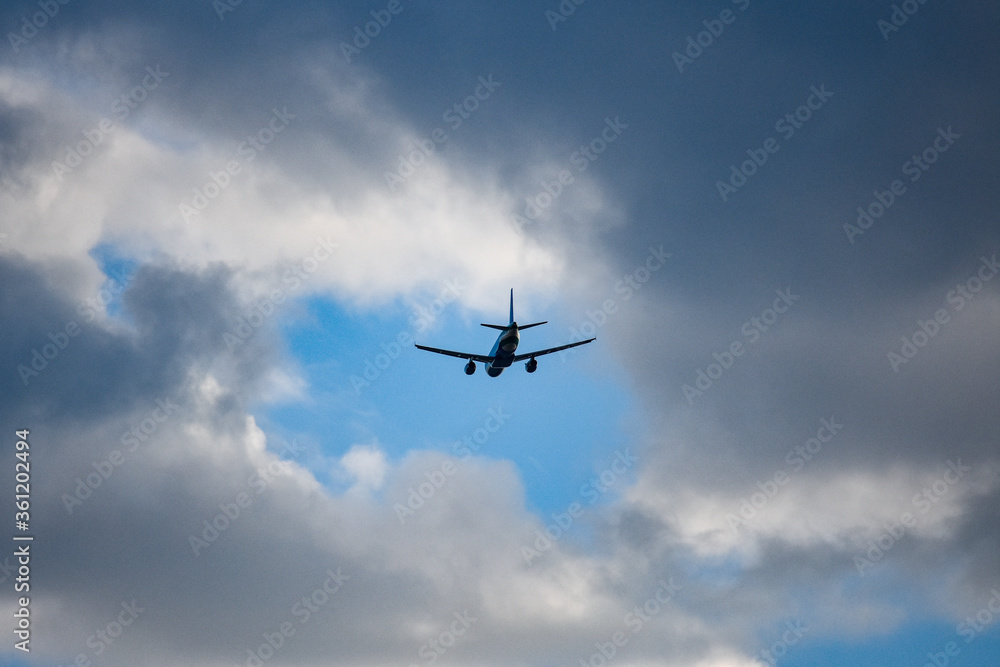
(502, 327)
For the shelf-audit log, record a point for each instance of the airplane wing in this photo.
(481, 358)
(528, 355)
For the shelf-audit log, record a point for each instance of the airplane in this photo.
(503, 353)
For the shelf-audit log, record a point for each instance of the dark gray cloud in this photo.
(779, 227)
(63, 363)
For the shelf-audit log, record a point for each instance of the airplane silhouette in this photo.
(503, 353)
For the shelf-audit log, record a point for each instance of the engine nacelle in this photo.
(531, 366)
(470, 367)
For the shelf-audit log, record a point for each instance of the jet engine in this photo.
(470, 367)
(531, 366)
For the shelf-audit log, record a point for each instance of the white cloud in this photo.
(840, 509)
(366, 464)
(444, 224)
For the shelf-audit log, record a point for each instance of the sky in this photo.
(223, 226)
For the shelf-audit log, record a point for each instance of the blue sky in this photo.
(560, 427)
(225, 225)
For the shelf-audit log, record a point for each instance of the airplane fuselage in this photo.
(503, 350)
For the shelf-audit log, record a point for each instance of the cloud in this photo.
(160, 495)
(239, 198)
(366, 464)
(238, 168)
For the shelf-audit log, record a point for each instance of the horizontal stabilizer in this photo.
(495, 326)
(528, 326)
